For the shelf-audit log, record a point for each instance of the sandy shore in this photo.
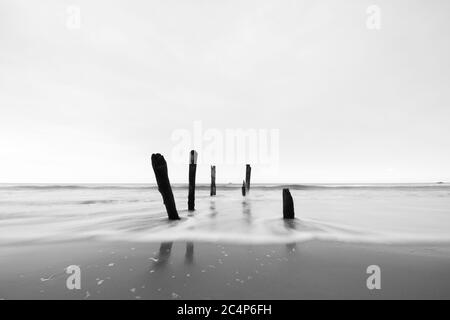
(180, 270)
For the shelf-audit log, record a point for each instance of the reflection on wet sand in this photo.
(189, 256)
(165, 251)
(291, 247)
(164, 254)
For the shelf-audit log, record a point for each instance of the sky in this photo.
(90, 102)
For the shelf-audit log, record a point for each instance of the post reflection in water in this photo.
(291, 247)
(164, 254)
(247, 211)
(290, 224)
(165, 251)
(212, 208)
(189, 256)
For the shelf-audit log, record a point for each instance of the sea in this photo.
(369, 213)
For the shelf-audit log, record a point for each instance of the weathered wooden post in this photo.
(192, 171)
(288, 205)
(162, 178)
(213, 181)
(243, 188)
(248, 172)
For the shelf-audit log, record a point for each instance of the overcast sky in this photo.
(351, 104)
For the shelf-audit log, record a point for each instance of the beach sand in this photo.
(202, 270)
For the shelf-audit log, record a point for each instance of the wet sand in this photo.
(186, 270)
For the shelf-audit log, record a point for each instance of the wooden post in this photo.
(288, 205)
(213, 181)
(192, 171)
(243, 188)
(162, 178)
(248, 172)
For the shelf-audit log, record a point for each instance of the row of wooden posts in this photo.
(159, 165)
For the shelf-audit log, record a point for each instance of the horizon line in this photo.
(227, 183)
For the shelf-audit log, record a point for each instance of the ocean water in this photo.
(389, 213)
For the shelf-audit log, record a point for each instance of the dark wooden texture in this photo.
(192, 172)
(288, 205)
(213, 181)
(162, 178)
(248, 173)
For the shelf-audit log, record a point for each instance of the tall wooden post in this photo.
(192, 171)
(243, 188)
(213, 181)
(288, 205)
(162, 178)
(248, 172)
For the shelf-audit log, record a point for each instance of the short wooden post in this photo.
(213, 181)
(243, 188)
(192, 171)
(288, 205)
(162, 178)
(248, 172)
